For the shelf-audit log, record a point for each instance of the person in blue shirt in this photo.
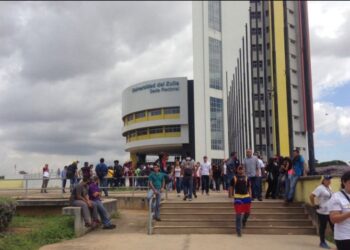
(294, 175)
(102, 171)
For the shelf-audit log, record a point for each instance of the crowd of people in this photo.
(242, 180)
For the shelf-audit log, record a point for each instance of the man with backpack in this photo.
(187, 180)
(118, 174)
(101, 171)
(231, 166)
(72, 174)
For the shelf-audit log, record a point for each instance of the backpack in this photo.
(188, 168)
(70, 172)
(86, 172)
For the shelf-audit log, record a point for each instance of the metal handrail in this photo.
(150, 214)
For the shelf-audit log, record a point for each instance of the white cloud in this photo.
(332, 119)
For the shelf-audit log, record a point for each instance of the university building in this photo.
(251, 87)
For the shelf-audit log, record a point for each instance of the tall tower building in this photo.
(276, 99)
(217, 31)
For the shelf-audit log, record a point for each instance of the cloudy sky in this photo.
(63, 66)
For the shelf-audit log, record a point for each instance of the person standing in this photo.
(178, 177)
(64, 178)
(72, 174)
(216, 176)
(251, 166)
(118, 174)
(46, 177)
(206, 172)
(339, 213)
(232, 165)
(224, 175)
(273, 171)
(156, 183)
(294, 174)
(323, 193)
(258, 179)
(102, 171)
(187, 181)
(241, 190)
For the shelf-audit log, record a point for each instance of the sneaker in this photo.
(324, 245)
(239, 234)
(260, 199)
(195, 196)
(189, 199)
(158, 219)
(109, 226)
(185, 198)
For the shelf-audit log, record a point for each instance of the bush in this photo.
(7, 210)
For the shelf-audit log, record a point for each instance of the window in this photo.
(296, 117)
(292, 41)
(172, 129)
(293, 56)
(262, 113)
(256, 15)
(172, 110)
(139, 115)
(295, 101)
(214, 9)
(155, 112)
(130, 117)
(267, 13)
(267, 29)
(291, 26)
(141, 132)
(156, 130)
(255, 64)
(290, 11)
(294, 71)
(216, 123)
(256, 31)
(269, 78)
(294, 86)
(215, 63)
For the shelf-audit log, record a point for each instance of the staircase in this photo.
(205, 217)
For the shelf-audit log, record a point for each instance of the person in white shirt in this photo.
(323, 194)
(205, 174)
(339, 213)
(46, 177)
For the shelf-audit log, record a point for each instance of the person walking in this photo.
(216, 176)
(241, 190)
(156, 183)
(323, 193)
(232, 165)
(206, 173)
(118, 174)
(102, 171)
(224, 175)
(72, 174)
(251, 167)
(64, 178)
(339, 213)
(187, 180)
(46, 178)
(178, 177)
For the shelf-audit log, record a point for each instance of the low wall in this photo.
(135, 202)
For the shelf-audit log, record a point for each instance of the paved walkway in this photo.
(131, 235)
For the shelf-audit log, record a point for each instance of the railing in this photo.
(150, 214)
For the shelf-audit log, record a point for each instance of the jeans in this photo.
(225, 183)
(205, 183)
(323, 219)
(64, 182)
(156, 205)
(104, 184)
(44, 185)
(72, 182)
(102, 212)
(178, 185)
(280, 189)
(187, 183)
(256, 187)
(86, 210)
(292, 181)
(217, 183)
(239, 220)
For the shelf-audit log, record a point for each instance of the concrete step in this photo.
(231, 223)
(230, 209)
(231, 216)
(255, 204)
(278, 230)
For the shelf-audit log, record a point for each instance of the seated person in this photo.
(95, 197)
(80, 198)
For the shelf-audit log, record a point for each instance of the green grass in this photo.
(36, 232)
